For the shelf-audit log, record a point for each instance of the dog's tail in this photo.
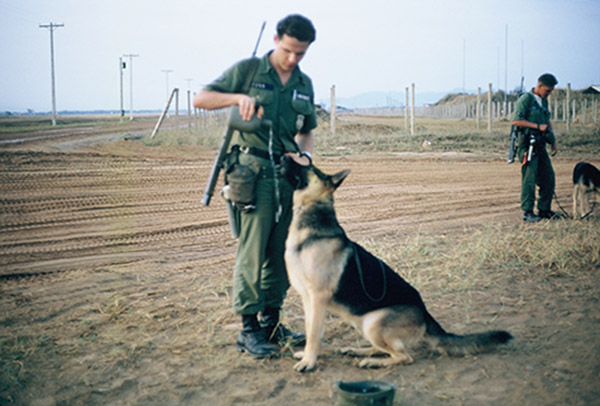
(458, 345)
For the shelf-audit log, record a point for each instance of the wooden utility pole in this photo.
(51, 27)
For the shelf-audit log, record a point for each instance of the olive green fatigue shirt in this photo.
(260, 277)
(528, 108)
(539, 171)
(290, 108)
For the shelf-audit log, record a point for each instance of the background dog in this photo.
(586, 180)
(329, 271)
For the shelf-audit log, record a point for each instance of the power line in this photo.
(51, 27)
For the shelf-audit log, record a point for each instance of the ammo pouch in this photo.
(240, 181)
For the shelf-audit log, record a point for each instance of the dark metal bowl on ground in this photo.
(363, 393)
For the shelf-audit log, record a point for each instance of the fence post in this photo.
(489, 107)
(406, 108)
(164, 113)
(177, 110)
(189, 106)
(584, 111)
(568, 101)
(478, 112)
(412, 109)
(332, 114)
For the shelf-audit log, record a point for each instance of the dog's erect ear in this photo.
(339, 177)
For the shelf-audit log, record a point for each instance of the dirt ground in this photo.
(115, 281)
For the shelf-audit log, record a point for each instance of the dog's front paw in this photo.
(305, 366)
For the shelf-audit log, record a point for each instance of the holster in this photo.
(240, 188)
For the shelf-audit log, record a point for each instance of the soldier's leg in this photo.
(546, 181)
(274, 282)
(255, 230)
(248, 298)
(528, 183)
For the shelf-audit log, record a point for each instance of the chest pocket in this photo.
(301, 103)
(538, 114)
(263, 92)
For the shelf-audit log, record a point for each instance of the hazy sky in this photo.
(361, 46)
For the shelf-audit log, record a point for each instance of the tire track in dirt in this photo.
(56, 208)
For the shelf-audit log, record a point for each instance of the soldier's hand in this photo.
(299, 159)
(554, 148)
(247, 106)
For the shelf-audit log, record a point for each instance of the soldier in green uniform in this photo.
(280, 92)
(533, 119)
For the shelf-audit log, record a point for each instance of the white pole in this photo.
(122, 112)
(131, 56)
(51, 27)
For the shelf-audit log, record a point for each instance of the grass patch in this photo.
(547, 249)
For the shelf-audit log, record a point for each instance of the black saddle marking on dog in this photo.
(351, 294)
(588, 173)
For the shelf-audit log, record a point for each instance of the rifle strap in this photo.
(252, 69)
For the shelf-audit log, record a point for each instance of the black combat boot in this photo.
(276, 332)
(254, 340)
(530, 217)
(549, 214)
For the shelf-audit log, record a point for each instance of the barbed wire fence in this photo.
(565, 105)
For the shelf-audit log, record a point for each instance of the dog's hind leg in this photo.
(388, 330)
(360, 352)
(315, 310)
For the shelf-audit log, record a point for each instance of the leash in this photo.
(560, 207)
(362, 279)
(573, 216)
(275, 176)
(591, 210)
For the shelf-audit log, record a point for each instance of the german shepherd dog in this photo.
(586, 181)
(330, 271)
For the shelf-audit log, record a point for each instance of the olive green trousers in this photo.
(537, 172)
(260, 276)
